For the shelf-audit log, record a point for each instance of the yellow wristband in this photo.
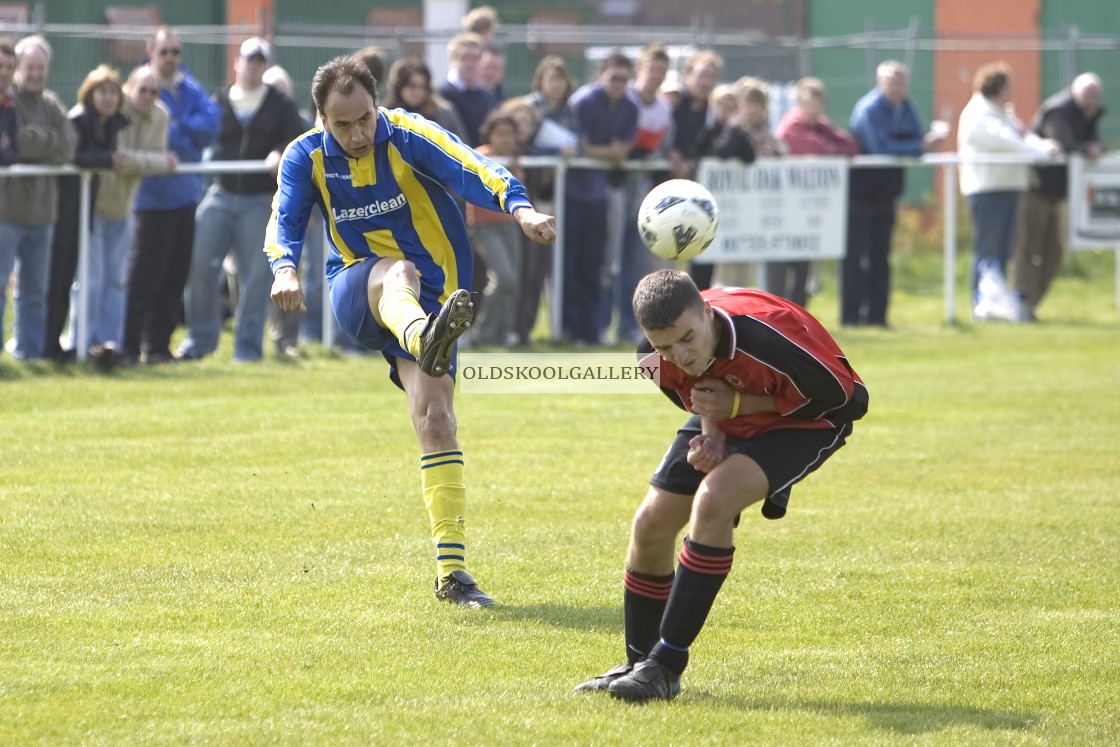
(735, 405)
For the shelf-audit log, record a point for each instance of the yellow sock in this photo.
(445, 495)
(400, 310)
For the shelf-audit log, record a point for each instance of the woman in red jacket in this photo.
(806, 131)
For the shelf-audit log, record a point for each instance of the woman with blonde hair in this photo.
(96, 120)
(556, 135)
(722, 138)
(752, 122)
(754, 116)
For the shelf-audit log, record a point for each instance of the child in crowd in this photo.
(722, 138)
(497, 238)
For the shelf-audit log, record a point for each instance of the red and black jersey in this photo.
(768, 345)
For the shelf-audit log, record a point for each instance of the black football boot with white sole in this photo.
(437, 341)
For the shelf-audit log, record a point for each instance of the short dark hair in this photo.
(374, 59)
(495, 119)
(341, 74)
(616, 59)
(6, 48)
(662, 296)
(992, 79)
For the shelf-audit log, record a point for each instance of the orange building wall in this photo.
(256, 13)
(954, 71)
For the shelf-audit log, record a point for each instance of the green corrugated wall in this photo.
(850, 73)
(73, 58)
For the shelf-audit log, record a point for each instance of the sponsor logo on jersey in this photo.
(341, 215)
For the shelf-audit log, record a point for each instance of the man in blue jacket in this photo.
(884, 122)
(160, 257)
(399, 266)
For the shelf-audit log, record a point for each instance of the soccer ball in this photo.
(678, 219)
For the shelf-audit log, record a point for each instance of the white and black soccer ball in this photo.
(678, 219)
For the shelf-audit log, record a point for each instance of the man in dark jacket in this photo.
(258, 122)
(1070, 117)
(464, 88)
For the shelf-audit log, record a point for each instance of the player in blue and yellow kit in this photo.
(399, 262)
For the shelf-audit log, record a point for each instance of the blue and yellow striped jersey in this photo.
(392, 202)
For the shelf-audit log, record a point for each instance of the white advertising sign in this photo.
(777, 209)
(1094, 202)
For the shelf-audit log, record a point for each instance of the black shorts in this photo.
(785, 455)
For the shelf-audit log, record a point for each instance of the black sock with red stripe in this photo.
(700, 575)
(643, 600)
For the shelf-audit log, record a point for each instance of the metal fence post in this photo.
(81, 344)
(949, 213)
(326, 331)
(556, 299)
(1116, 256)
(912, 42)
(1067, 60)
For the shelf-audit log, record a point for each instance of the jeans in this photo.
(225, 222)
(994, 216)
(311, 262)
(500, 247)
(108, 258)
(313, 277)
(30, 247)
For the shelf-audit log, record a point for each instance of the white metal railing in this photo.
(947, 161)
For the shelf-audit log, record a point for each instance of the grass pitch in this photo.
(231, 554)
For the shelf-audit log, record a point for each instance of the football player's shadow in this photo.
(902, 718)
(607, 618)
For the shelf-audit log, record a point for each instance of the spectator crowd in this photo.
(166, 250)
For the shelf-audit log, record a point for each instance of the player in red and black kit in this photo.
(772, 397)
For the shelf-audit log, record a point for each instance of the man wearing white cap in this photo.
(258, 122)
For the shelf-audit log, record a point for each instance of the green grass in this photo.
(238, 554)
